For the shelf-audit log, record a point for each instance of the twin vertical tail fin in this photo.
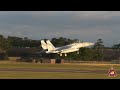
(50, 46)
(44, 45)
(47, 46)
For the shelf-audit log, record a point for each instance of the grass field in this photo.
(57, 75)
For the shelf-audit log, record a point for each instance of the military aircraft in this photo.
(49, 47)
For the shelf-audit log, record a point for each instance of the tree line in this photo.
(97, 52)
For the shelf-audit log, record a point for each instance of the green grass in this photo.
(62, 66)
(58, 75)
(55, 75)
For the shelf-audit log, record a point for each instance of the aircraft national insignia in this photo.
(112, 72)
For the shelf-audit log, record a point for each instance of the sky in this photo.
(83, 25)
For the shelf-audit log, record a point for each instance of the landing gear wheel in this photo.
(65, 54)
(60, 54)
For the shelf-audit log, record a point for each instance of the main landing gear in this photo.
(61, 54)
(65, 54)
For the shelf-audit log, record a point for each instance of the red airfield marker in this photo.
(112, 72)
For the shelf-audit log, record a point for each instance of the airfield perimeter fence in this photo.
(115, 61)
(93, 62)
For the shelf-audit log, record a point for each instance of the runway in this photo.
(53, 70)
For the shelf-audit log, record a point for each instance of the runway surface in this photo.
(53, 70)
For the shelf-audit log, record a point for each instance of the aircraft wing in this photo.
(63, 48)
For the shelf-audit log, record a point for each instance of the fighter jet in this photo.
(50, 48)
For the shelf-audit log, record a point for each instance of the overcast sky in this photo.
(83, 25)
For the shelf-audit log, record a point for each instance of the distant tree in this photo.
(15, 41)
(85, 53)
(116, 51)
(61, 41)
(98, 47)
(116, 46)
(54, 41)
(26, 38)
(4, 43)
